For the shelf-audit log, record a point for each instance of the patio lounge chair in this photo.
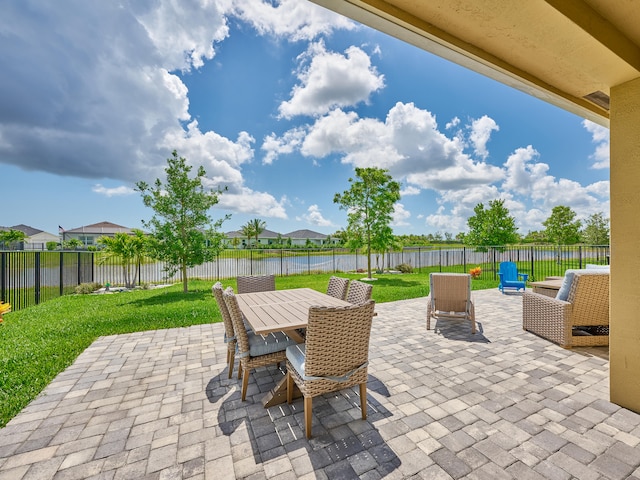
(510, 278)
(450, 297)
(256, 283)
(335, 355)
(581, 320)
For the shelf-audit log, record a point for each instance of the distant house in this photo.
(36, 239)
(298, 238)
(305, 237)
(89, 234)
(237, 239)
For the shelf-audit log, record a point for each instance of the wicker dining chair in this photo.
(256, 283)
(335, 355)
(338, 287)
(450, 297)
(254, 350)
(229, 333)
(359, 292)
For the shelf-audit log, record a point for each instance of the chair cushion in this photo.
(296, 354)
(263, 345)
(563, 293)
(591, 266)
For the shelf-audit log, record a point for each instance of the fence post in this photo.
(36, 279)
(464, 259)
(79, 269)
(250, 262)
(533, 273)
(308, 261)
(61, 273)
(579, 256)
(3, 273)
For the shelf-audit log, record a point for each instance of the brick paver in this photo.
(442, 404)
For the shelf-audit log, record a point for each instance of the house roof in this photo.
(304, 234)
(26, 229)
(264, 234)
(100, 228)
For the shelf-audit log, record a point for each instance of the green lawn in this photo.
(39, 342)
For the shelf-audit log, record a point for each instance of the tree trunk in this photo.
(183, 269)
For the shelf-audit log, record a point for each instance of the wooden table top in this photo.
(282, 310)
(553, 284)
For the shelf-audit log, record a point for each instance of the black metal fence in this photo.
(31, 277)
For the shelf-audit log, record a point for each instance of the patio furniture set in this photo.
(324, 338)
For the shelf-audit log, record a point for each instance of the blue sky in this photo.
(279, 101)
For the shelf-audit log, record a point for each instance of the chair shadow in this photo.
(459, 329)
(338, 431)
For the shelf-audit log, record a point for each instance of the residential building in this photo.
(89, 234)
(36, 239)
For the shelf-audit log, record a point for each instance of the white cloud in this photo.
(455, 121)
(314, 217)
(410, 190)
(288, 143)
(599, 136)
(120, 191)
(328, 80)
(400, 216)
(481, 129)
(248, 201)
(293, 19)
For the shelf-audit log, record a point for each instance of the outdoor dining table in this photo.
(282, 311)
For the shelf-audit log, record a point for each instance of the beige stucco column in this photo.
(624, 334)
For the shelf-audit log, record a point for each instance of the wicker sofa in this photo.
(581, 320)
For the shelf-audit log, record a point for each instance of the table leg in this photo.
(278, 394)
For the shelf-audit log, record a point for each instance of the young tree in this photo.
(72, 244)
(183, 234)
(561, 228)
(370, 205)
(493, 226)
(596, 230)
(128, 249)
(8, 237)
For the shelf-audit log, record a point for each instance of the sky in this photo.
(279, 101)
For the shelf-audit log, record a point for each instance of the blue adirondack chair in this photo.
(510, 278)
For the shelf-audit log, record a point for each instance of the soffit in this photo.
(557, 50)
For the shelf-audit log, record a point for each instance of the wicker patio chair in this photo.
(229, 331)
(254, 350)
(359, 292)
(338, 287)
(582, 320)
(450, 297)
(335, 355)
(256, 283)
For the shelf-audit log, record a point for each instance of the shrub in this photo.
(52, 245)
(404, 268)
(86, 288)
(475, 272)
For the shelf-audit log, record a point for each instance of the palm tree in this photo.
(258, 226)
(128, 249)
(247, 231)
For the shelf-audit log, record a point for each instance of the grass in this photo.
(39, 342)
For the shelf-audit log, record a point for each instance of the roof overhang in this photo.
(568, 53)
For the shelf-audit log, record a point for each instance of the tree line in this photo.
(182, 233)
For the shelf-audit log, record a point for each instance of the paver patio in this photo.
(442, 404)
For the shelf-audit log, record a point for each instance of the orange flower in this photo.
(4, 308)
(475, 272)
